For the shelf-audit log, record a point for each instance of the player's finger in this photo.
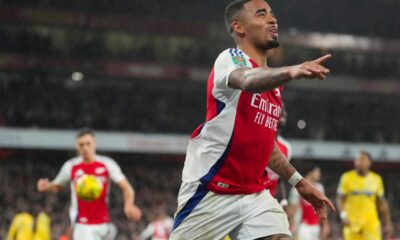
(322, 69)
(316, 68)
(323, 58)
(315, 74)
(328, 203)
(321, 76)
(305, 73)
(318, 72)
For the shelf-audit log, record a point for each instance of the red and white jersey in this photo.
(306, 211)
(158, 230)
(104, 169)
(230, 151)
(286, 150)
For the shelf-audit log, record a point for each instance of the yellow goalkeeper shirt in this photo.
(21, 227)
(43, 226)
(361, 193)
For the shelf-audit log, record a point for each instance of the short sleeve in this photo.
(294, 197)
(381, 190)
(228, 61)
(343, 188)
(64, 175)
(115, 171)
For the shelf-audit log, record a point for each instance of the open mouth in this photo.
(273, 31)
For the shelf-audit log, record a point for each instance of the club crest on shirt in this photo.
(100, 170)
(239, 61)
(79, 173)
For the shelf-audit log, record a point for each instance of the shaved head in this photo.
(232, 11)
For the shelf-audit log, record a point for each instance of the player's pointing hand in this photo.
(310, 69)
(315, 197)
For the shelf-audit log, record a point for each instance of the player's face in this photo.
(260, 24)
(362, 163)
(86, 146)
(317, 174)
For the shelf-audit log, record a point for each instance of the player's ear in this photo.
(237, 27)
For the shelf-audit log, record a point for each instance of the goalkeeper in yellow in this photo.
(360, 197)
(24, 226)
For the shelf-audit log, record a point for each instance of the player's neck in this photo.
(362, 173)
(257, 55)
(88, 159)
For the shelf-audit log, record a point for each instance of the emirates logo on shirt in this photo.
(268, 113)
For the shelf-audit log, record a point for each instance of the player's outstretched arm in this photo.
(130, 209)
(279, 164)
(44, 185)
(264, 78)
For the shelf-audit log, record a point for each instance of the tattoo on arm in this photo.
(279, 164)
(266, 78)
(258, 79)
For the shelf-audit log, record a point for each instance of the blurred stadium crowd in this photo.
(178, 106)
(144, 66)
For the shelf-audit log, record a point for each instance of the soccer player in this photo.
(22, 225)
(223, 190)
(360, 197)
(309, 225)
(91, 220)
(42, 227)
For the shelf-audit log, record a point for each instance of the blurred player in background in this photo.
(303, 219)
(160, 227)
(43, 225)
(91, 220)
(223, 190)
(22, 225)
(25, 226)
(360, 197)
(286, 150)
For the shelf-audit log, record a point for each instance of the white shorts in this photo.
(203, 214)
(309, 232)
(105, 231)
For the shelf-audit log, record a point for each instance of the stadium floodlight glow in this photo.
(301, 124)
(77, 76)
